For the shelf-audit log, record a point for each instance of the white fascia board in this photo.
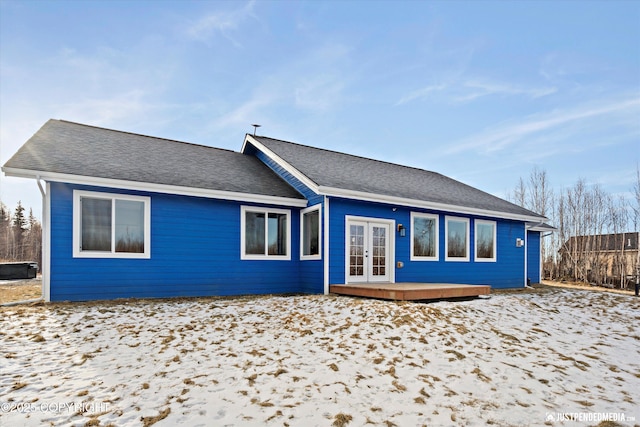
(541, 226)
(401, 201)
(155, 188)
(282, 163)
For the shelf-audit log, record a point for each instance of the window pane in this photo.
(254, 233)
(424, 237)
(310, 233)
(484, 240)
(96, 225)
(129, 226)
(277, 229)
(457, 239)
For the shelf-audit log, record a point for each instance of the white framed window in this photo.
(456, 244)
(108, 225)
(265, 233)
(310, 241)
(485, 240)
(424, 237)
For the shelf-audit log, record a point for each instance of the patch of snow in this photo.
(514, 359)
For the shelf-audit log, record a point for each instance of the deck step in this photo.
(411, 291)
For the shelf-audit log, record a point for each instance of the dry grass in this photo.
(22, 290)
(149, 421)
(249, 358)
(585, 286)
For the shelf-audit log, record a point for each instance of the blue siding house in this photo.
(128, 215)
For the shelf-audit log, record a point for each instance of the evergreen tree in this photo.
(19, 228)
(19, 221)
(5, 232)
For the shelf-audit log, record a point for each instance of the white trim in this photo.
(413, 203)
(46, 243)
(281, 162)
(156, 188)
(391, 258)
(77, 225)
(380, 198)
(477, 222)
(448, 218)
(326, 245)
(266, 211)
(258, 198)
(436, 217)
(303, 212)
(526, 256)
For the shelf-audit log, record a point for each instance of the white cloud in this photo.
(225, 23)
(420, 93)
(461, 91)
(533, 126)
(479, 88)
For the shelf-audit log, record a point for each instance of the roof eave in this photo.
(541, 226)
(153, 187)
(281, 162)
(401, 201)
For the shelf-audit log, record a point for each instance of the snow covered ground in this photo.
(535, 358)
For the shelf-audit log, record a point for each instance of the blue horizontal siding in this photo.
(311, 271)
(533, 256)
(195, 251)
(506, 272)
(309, 194)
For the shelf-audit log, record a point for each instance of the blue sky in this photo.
(479, 91)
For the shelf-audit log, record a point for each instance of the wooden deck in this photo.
(410, 291)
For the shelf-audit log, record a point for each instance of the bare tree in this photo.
(20, 236)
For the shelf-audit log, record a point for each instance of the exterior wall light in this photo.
(402, 230)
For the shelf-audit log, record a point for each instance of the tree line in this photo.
(20, 235)
(597, 232)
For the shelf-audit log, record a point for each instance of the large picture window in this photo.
(310, 232)
(265, 233)
(457, 241)
(111, 225)
(485, 240)
(424, 237)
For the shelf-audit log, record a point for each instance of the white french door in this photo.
(369, 256)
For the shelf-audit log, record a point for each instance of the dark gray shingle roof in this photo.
(76, 149)
(349, 172)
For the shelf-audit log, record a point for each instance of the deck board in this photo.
(410, 291)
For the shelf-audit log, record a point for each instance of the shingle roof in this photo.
(76, 149)
(348, 172)
(602, 242)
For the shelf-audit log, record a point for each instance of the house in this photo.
(128, 215)
(611, 259)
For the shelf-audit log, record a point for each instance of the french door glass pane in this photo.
(356, 250)
(379, 251)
